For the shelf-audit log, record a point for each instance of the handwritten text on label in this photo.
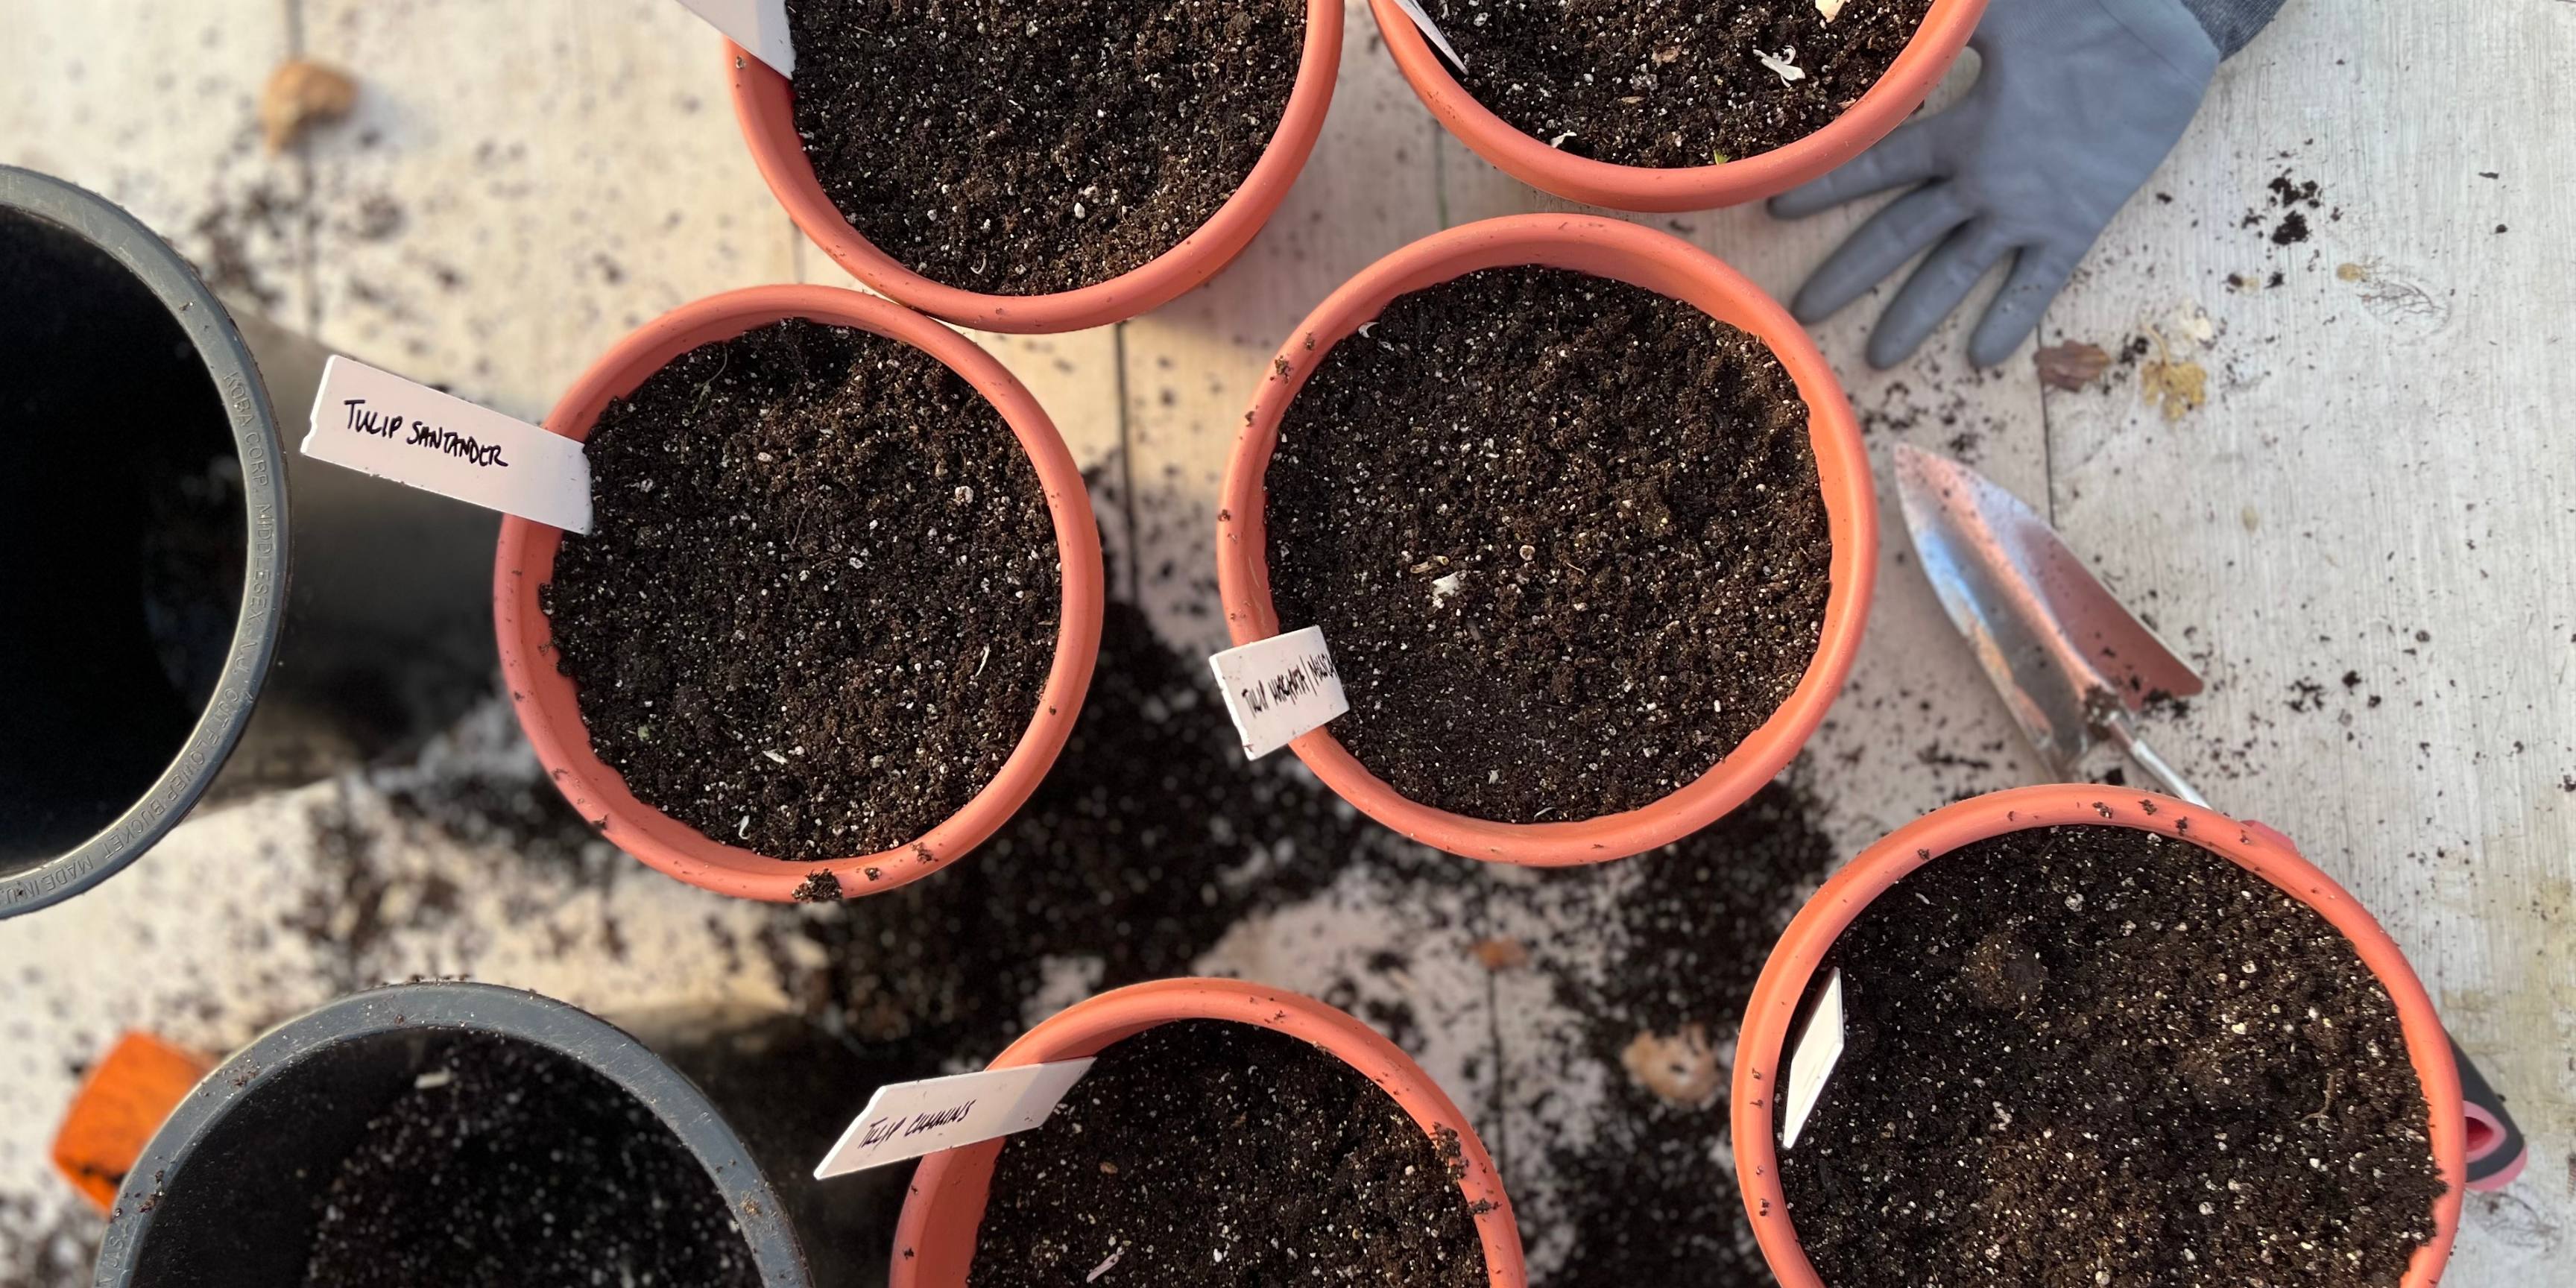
(1279, 689)
(910, 1119)
(379, 423)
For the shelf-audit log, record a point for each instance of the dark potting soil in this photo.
(1020, 148)
(1666, 84)
(507, 1165)
(1153, 836)
(1564, 537)
(1150, 839)
(1212, 1153)
(2093, 1055)
(818, 605)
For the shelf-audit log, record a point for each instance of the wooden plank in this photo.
(2364, 538)
(156, 109)
(568, 173)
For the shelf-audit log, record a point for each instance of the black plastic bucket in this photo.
(144, 487)
(229, 1192)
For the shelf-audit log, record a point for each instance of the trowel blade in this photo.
(2054, 640)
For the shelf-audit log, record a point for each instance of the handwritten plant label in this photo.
(378, 423)
(1811, 1059)
(759, 26)
(1430, 29)
(1279, 689)
(910, 1119)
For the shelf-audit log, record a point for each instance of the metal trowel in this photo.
(2072, 664)
(2076, 669)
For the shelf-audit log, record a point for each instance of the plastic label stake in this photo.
(759, 26)
(1413, 9)
(910, 1119)
(1811, 1060)
(376, 422)
(1279, 689)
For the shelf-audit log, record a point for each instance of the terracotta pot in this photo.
(543, 695)
(764, 103)
(1907, 83)
(2257, 849)
(935, 1239)
(1657, 262)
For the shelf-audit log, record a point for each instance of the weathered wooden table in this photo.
(2366, 537)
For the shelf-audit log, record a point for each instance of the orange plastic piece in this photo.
(113, 1115)
(1911, 79)
(1666, 265)
(934, 1241)
(2257, 849)
(542, 695)
(765, 104)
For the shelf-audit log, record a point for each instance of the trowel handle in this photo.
(2497, 1150)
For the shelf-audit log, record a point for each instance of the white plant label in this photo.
(1811, 1059)
(757, 25)
(376, 422)
(1279, 689)
(1413, 9)
(910, 1119)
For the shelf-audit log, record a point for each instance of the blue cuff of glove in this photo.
(2231, 23)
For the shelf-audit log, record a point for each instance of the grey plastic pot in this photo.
(225, 1196)
(147, 588)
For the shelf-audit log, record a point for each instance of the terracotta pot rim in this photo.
(1909, 80)
(764, 107)
(1607, 247)
(1087, 1027)
(1793, 962)
(544, 698)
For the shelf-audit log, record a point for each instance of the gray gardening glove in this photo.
(2076, 103)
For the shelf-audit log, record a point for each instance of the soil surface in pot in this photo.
(2095, 1055)
(1564, 537)
(1655, 83)
(818, 605)
(1212, 1153)
(1014, 148)
(508, 1164)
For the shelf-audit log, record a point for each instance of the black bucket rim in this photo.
(567, 1030)
(209, 328)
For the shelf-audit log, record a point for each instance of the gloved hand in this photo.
(2076, 103)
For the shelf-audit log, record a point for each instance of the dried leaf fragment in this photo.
(300, 93)
(2173, 386)
(2072, 365)
(1501, 953)
(1681, 1067)
(1832, 9)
